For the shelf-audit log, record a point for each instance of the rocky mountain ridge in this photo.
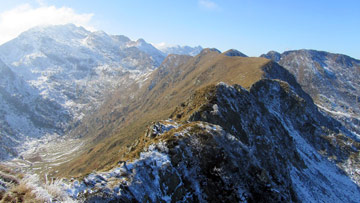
(201, 155)
(293, 150)
(330, 79)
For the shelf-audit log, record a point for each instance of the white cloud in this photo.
(207, 4)
(17, 20)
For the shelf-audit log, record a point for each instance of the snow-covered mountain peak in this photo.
(181, 50)
(39, 47)
(61, 33)
(141, 44)
(141, 41)
(121, 39)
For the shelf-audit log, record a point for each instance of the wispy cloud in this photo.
(23, 17)
(207, 4)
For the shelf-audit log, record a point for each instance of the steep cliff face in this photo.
(226, 143)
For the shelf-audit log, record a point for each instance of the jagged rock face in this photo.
(330, 79)
(236, 146)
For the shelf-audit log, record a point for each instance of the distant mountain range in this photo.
(141, 124)
(181, 50)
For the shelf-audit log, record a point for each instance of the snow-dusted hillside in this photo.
(332, 80)
(73, 66)
(60, 73)
(25, 114)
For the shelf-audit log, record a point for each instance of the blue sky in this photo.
(251, 26)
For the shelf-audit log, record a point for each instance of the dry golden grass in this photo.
(31, 189)
(123, 118)
(23, 193)
(19, 191)
(7, 170)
